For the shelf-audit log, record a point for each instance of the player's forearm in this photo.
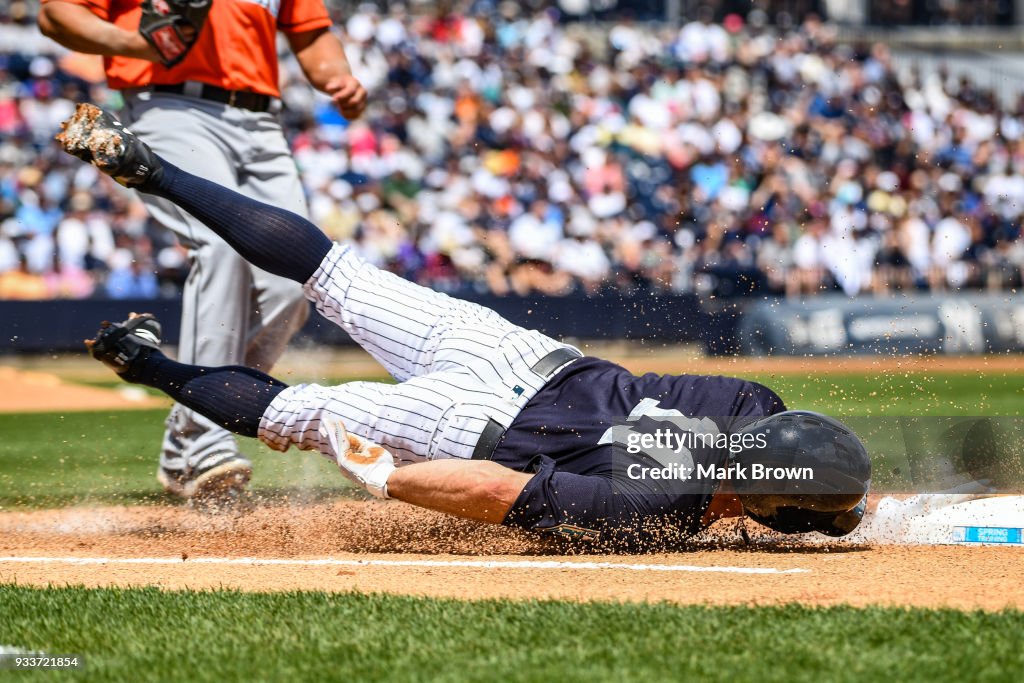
(472, 489)
(323, 60)
(76, 28)
(321, 56)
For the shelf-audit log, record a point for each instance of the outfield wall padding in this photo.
(822, 326)
(835, 325)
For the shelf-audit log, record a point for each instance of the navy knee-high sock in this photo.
(235, 397)
(276, 240)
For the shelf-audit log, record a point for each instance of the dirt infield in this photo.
(393, 548)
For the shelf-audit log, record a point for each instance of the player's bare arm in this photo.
(474, 489)
(479, 490)
(323, 60)
(76, 28)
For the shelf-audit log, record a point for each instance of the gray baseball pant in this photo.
(232, 312)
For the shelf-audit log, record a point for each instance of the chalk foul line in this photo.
(329, 562)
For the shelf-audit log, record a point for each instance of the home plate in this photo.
(945, 519)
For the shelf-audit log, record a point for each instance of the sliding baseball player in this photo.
(488, 421)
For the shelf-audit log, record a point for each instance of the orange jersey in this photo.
(236, 49)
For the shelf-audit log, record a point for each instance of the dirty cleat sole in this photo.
(93, 135)
(76, 131)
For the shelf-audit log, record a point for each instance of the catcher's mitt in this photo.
(172, 26)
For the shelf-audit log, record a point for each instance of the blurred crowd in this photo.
(513, 153)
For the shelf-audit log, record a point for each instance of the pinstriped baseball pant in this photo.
(458, 365)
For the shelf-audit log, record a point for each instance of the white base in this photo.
(944, 519)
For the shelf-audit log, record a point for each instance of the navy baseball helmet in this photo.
(815, 473)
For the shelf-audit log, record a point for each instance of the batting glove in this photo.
(361, 460)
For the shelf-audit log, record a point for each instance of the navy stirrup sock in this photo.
(235, 397)
(276, 240)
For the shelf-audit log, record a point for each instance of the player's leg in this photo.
(216, 302)
(414, 331)
(233, 397)
(410, 329)
(265, 310)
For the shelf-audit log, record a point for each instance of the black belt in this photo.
(242, 99)
(493, 430)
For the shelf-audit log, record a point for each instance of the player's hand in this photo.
(348, 95)
(363, 461)
(172, 27)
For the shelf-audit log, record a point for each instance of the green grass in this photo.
(49, 459)
(901, 393)
(146, 634)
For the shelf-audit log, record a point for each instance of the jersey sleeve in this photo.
(101, 8)
(299, 16)
(563, 503)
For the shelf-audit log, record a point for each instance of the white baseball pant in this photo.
(458, 365)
